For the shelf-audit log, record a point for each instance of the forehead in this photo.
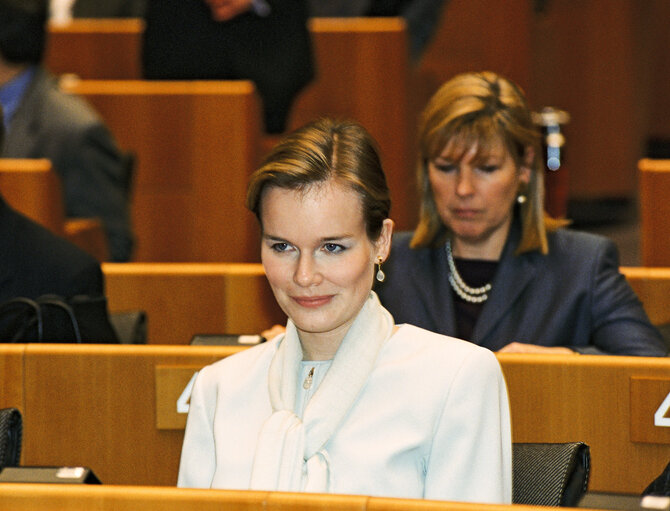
(328, 206)
(458, 148)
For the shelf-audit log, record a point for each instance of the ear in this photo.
(525, 170)
(383, 243)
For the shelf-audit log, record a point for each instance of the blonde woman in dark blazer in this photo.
(485, 262)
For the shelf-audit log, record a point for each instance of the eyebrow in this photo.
(327, 239)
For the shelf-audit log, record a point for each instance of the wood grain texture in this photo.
(654, 178)
(195, 143)
(33, 188)
(184, 299)
(556, 398)
(96, 49)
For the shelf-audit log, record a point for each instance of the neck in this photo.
(320, 346)
(489, 249)
(10, 71)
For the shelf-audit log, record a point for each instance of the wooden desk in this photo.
(189, 298)
(654, 178)
(102, 407)
(53, 497)
(96, 406)
(594, 399)
(195, 143)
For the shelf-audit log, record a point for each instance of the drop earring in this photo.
(380, 274)
(521, 198)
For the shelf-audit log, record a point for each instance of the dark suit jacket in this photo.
(66, 130)
(35, 262)
(182, 42)
(574, 297)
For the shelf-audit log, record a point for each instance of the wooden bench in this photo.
(197, 298)
(195, 145)
(362, 72)
(33, 188)
(654, 178)
(114, 408)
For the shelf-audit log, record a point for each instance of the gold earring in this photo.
(380, 274)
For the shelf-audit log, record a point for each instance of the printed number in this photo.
(659, 417)
(185, 397)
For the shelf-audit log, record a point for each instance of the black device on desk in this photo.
(51, 475)
(226, 339)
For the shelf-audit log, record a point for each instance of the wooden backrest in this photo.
(195, 145)
(362, 72)
(652, 286)
(96, 49)
(33, 188)
(186, 299)
(113, 408)
(654, 177)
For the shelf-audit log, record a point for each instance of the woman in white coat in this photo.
(345, 401)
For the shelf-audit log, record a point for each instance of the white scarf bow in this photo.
(290, 454)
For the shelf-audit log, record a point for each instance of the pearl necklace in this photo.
(469, 294)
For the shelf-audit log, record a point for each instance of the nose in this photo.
(306, 273)
(464, 184)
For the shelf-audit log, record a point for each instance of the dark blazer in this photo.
(35, 262)
(182, 42)
(63, 128)
(574, 296)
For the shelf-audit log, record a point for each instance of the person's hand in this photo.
(520, 347)
(224, 10)
(274, 331)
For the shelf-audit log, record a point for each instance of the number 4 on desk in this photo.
(660, 418)
(185, 397)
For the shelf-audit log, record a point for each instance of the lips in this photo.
(465, 213)
(312, 302)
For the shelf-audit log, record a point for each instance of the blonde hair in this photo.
(480, 109)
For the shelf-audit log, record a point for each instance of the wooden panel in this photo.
(33, 188)
(196, 144)
(94, 406)
(654, 178)
(652, 286)
(560, 398)
(363, 73)
(185, 299)
(50, 497)
(96, 48)
(11, 376)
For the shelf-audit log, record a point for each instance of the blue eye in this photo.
(280, 247)
(333, 248)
